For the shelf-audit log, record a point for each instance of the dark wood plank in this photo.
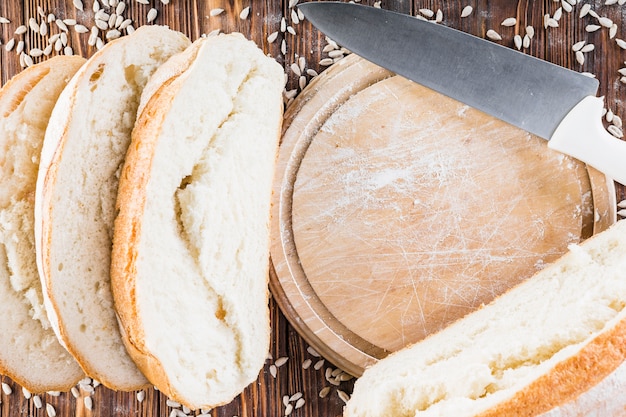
(264, 397)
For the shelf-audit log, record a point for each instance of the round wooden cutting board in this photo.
(397, 211)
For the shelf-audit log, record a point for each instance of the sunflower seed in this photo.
(578, 46)
(621, 43)
(4, 20)
(273, 370)
(467, 10)
(244, 13)
(439, 16)
(152, 15)
(319, 364)
(172, 403)
(324, 392)
(311, 72)
(344, 397)
(281, 361)
(584, 10)
(580, 58)
(617, 121)
(615, 131)
(493, 35)
(88, 401)
(20, 47)
(26, 393)
(75, 392)
(509, 21)
(622, 204)
(294, 17)
(121, 7)
(35, 52)
(292, 3)
(113, 34)
(621, 213)
(526, 41)
(427, 12)
(283, 47)
(291, 30)
(288, 409)
(216, 11)
(141, 395)
(6, 388)
(592, 13)
(609, 116)
(43, 28)
(10, 44)
(50, 410)
(33, 25)
(530, 31)
(605, 21)
(21, 30)
(517, 40)
(566, 6)
(47, 50)
(37, 401)
(558, 14)
(592, 28)
(272, 37)
(302, 82)
(613, 31)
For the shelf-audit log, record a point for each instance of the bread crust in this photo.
(11, 96)
(569, 378)
(128, 226)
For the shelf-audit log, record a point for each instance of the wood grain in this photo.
(264, 398)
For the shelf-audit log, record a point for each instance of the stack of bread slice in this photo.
(192, 152)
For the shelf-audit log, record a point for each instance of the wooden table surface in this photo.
(196, 17)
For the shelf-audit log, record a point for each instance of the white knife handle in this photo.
(582, 135)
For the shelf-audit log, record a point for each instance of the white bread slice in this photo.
(30, 353)
(537, 346)
(83, 152)
(191, 244)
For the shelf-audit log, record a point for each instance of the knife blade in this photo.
(545, 99)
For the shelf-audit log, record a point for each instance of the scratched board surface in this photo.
(303, 372)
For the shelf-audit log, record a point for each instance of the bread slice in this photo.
(537, 346)
(191, 242)
(82, 156)
(30, 353)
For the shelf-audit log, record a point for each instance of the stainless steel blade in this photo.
(527, 92)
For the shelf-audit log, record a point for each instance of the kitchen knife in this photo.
(550, 101)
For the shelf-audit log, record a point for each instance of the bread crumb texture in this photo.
(203, 249)
(490, 356)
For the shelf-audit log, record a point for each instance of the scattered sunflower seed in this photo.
(621, 43)
(580, 58)
(588, 48)
(88, 401)
(37, 401)
(493, 35)
(467, 10)
(526, 41)
(622, 204)
(344, 397)
(324, 392)
(50, 410)
(578, 46)
(615, 131)
(592, 28)
(584, 10)
(509, 21)
(152, 15)
(558, 14)
(272, 37)
(517, 40)
(427, 12)
(244, 13)
(216, 12)
(21, 30)
(10, 44)
(605, 21)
